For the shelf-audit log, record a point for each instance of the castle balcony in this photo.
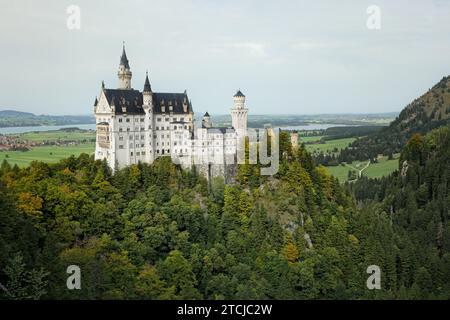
(103, 135)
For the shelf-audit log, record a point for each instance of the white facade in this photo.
(134, 126)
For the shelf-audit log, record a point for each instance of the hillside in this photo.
(425, 113)
(12, 118)
(416, 201)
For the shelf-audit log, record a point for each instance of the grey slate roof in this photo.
(147, 87)
(132, 101)
(239, 94)
(175, 99)
(124, 60)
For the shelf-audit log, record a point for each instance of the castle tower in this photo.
(147, 94)
(206, 121)
(124, 73)
(239, 113)
(294, 140)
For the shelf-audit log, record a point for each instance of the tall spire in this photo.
(123, 58)
(147, 87)
(124, 73)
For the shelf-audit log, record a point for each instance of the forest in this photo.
(160, 232)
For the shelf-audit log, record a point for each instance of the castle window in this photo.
(157, 128)
(157, 151)
(131, 153)
(120, 119)
(142, 119)
(138, 153)
(167, 119)
(128, 129)
(128, 120)
(162, 151)
(143, 153)
(158, 119)
(120, 146)
(121, 138)
(168, 128)
(168, 150)
(142, 145)
(120, 129)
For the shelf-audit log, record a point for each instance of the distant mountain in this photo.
(13, 113)
(12, 118)
(425, 113)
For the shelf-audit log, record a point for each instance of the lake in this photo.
(91, 126)
(12, 130)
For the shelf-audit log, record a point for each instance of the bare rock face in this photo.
(308, 240)
(404, 170)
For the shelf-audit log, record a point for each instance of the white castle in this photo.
(135, 126)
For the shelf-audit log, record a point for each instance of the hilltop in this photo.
(429, 111)
(13, 118)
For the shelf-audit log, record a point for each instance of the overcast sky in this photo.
(289, 57)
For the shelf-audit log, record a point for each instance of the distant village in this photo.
(16, 143)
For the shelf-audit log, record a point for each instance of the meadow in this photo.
(330, 146)
(380, 169)
(59, 135)
(49, 154)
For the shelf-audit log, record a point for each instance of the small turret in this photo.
(147, 95)
(124, 73)
(147, 86)
(206, 121)
(239, 100)
(239, 113)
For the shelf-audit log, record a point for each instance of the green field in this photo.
(384, 167)
(58, 135)
(309, 139)
(50, 154)
(329, 146)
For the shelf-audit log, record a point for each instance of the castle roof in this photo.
(176, 100)
(130, 101)
(206, 114)
(123, 59)
(239, 94)
(147, 87)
